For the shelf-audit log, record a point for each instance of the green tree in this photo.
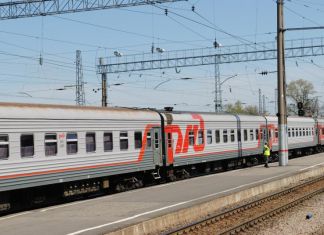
(238, 108)
(301, 91)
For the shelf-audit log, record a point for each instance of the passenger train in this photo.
(49, 151)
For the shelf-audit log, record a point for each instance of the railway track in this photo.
(244, 217)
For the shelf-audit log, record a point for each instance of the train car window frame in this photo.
(138, 139)
(108, 141)
(256, 134)
(72, 139)
(27, 145)
(123, 141)
(232, 135)
(50, 142)
(245, 133)
(225, 136)
(4, 147)
(201, 139)
(251, 135)
(217, 136)
(191, 138)
(148, 140)
(90, 142)
(209, 137)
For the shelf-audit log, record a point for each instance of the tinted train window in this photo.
(71, 143)
(50, 144)
(300, 132)
(108, 141)
(304, 134)
(225, 136)
(148, 140)
(209, 137)
(4, 146)
(27, 145)
(257, 134)
(276, 133)
(232, 135)
(191, 138)
(90, 142)
(245, 135)
(169, 140)
(217, 136)
(201, 137)
(138, 139)
(289, 132)
(123, 140)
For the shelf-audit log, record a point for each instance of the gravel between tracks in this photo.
(294, 220)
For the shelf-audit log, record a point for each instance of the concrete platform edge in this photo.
(187, 215)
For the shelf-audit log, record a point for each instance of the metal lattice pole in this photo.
(218, 88)
(79, 84)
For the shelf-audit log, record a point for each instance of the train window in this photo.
(191, 138)
(108, 141)
(123, 140)
(297, 133)
(322, 131)
(292, 132)
(200, 136)
(300, 132)
(276, 133)
(217, 136)
(148, 140)
(90, 142)
(257, 134)
(270, 134)
(4, 146)
(71, 143)
(289, 132)
(27, 145)
(169, 140)
(138, 139)
(50, 144)
(251, 135)
(304, 133)
(156, 140)
(245, 135)
(209, 136)
(312, 130)
(225, 137)
(232, 135)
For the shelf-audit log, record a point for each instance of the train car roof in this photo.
(208, 117)
(291, 118)
(49, 111)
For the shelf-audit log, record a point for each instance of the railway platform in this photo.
(149, 210)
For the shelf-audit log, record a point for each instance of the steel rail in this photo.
(239, 209)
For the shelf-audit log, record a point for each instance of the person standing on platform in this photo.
(266, 154)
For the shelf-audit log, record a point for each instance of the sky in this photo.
(134, 30)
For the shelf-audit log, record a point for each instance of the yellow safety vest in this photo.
(266, 151)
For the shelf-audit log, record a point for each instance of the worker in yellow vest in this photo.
(266, 154)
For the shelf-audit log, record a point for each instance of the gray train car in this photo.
(50, 144)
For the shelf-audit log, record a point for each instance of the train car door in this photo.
(157, 146)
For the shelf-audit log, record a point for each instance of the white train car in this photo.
(320, 131)
(198, 138)
(301, 132)
(50, 144)
(252, 138)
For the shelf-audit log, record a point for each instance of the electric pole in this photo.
(264, 105)
(260, 103)
(218, 91)
(282, 105)
(103, 85)
(79, 84)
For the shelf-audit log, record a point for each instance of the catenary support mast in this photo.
(282, 106)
